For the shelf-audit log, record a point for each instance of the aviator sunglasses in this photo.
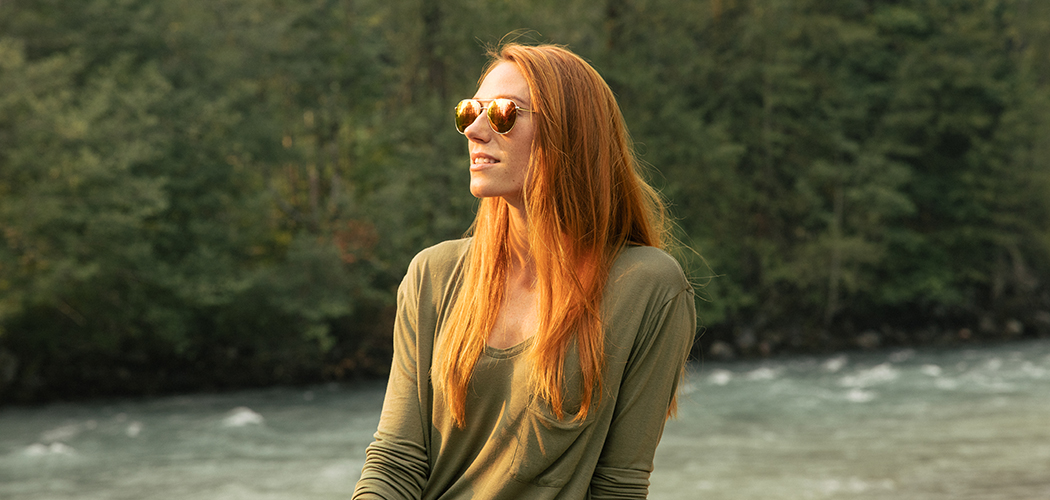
(501, 112)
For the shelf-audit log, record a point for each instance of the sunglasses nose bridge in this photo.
(482, 113)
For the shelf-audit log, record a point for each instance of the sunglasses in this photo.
(501, 112)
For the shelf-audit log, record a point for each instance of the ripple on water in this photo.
(931, 370)
(858, 395)
(242, 416)
(834, 365)
(68, 431)
(720, 377)
(41, 450)
(1034, 371)
(878, 374)
(763, 373)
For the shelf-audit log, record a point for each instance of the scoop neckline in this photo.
(508, 352)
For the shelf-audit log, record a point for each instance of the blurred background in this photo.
(208, 195)
(206, 208)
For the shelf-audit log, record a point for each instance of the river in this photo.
(963, 423)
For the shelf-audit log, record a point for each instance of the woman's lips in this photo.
(479, 161)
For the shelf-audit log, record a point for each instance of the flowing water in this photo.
(925, 424)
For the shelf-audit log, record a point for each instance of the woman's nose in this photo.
(478, 129)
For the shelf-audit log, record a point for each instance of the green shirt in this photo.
(513, 447)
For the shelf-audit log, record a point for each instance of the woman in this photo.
(539, 357)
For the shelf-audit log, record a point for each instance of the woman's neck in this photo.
(517, 319)
(520, 258)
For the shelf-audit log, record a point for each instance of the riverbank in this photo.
(140, 375)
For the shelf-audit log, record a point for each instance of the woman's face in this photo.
(499, 163)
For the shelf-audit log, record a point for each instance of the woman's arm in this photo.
(649, 382)
(397, 464)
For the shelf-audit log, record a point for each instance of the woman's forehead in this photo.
(504, 81)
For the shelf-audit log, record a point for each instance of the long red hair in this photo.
(585, 201)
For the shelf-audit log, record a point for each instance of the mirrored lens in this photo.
(502, 113)
(466, 112)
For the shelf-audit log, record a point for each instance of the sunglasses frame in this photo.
(489, 111)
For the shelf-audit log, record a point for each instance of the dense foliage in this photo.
(209, 194)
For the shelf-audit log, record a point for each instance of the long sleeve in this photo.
(397, 462)
(648, 384)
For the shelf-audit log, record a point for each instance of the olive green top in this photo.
(513, 447)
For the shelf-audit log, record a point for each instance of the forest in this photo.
(207, 195)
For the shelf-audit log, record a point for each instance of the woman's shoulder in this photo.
(647, 263)
(642, 271)
(439, 262)
(446, 251)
